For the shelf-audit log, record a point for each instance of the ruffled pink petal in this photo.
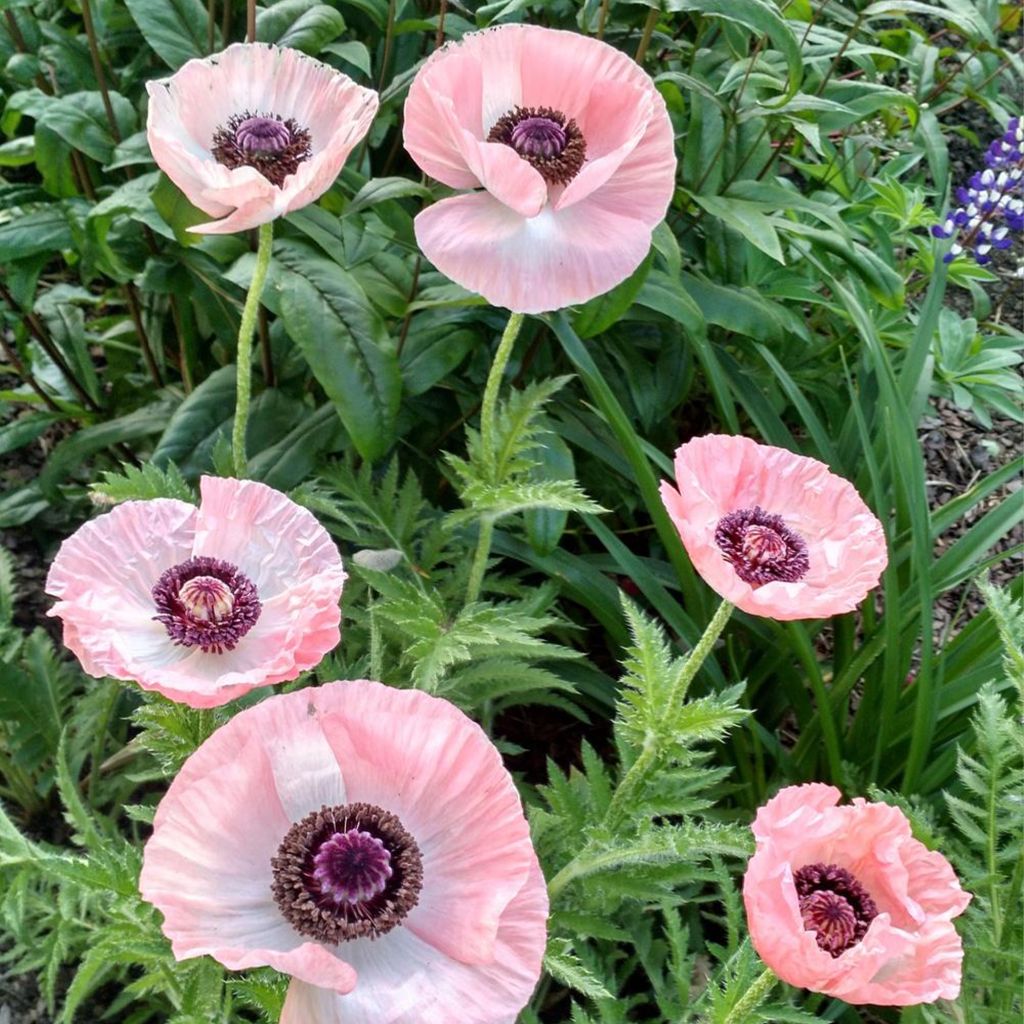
(106, 571)
(932, 883)
(626, 109)
(641, 178)
(453, 84)
(123, 551)
(293, 633)
(275, 542)
(531, 265)
(207, 869)
(103, 576)
(404, 980)
(464, 88)
(499, 168)
(929, 968)
(717, 475)
(186, 110)
(455, 797)
(207, 866)
(788, 812)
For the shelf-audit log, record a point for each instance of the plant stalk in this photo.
(488, 409)
(243, 357)
(752, 998)
(637, 772)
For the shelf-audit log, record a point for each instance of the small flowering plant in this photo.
(774, 533)
(255, 132)
(200, 604)
(843, 900)
(703, 218)
(991, 209)
(564, 151)
(368, 842)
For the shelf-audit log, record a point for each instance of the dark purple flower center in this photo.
(263, 134)
(833, 905)
(206, 603)
(275, 146)
(346, 872)
(538, 136)
(352, 867)
(544, 137)
(761, 548)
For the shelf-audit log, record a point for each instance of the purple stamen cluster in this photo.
(346, 872)
(273, 145)
(206, 603)
(992, 205)
(761, 547)
(833, 905)
(546, 138)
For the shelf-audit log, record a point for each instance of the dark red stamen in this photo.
(761, 547)
(833, 905)
(544, 137)
(273, 145)
(346, 872)
(206, 603)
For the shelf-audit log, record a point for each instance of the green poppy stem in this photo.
(487, 415)
(243, 357)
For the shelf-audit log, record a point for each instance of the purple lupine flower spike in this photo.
(992, 204)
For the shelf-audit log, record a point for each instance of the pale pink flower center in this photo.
(833, 905)
(761, 547)
(273, 145)
(207, 599)
(346, 872)
(545, 138)
(206, 603)
(352, 866)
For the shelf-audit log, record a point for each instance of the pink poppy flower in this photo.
(776, 534)
(255, 132)
(843, 900)
(573, 148)
(367, 841)
(200, 604)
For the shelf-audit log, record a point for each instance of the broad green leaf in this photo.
(435, 344)
(42, 229)
(306, 25)
(377, 190)
(352, 51)
(176, 29)
(80, 119)
(746, 218)
(288, 462)
(74, 450)
(599, 314)
(328, 315)
(201, 413)
(177, 212)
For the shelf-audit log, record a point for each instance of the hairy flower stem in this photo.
(243, 357)
(487, 444)
(636, 775)
(752, 998)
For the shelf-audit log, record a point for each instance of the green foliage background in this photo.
(792, 294)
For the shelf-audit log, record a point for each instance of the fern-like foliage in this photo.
(986, 808)
(140, 483)
(642, 835)
(500, 479)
